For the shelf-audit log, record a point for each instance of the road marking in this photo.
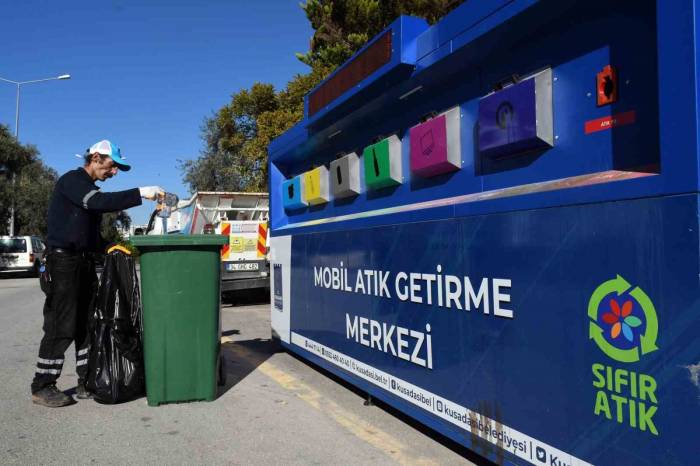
(362, 429)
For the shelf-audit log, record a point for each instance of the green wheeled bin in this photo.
(180, 283)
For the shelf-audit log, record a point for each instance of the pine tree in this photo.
(344, 26)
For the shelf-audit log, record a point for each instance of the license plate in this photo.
(242, 266)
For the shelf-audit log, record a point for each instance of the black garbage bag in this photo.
(115, 362)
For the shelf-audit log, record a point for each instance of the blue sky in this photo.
(144, 75)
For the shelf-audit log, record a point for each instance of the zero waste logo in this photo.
(623, 323)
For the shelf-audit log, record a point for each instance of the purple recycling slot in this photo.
(518, 118)
(435, 145)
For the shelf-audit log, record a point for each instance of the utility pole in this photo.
(18, 84)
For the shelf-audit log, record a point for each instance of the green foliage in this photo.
(112, 225)
(237, 136)
(31, 191)
(34, 188)
(132, 249)
(344, 26)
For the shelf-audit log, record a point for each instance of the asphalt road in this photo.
(275, 408)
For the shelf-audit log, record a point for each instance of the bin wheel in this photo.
(221, 372)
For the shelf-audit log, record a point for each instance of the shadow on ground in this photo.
(243, 357)
(245, 297)
(8, 275)
(371, 402)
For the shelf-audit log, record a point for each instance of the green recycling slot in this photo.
(181, 301)
(382, 162)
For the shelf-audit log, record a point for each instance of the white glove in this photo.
(151, 192)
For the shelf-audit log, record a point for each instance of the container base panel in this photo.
(553, 336)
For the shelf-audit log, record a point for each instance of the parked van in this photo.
(21, 254)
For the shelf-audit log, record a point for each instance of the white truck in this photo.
(243, 217)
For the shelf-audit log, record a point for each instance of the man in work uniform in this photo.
(74, 219)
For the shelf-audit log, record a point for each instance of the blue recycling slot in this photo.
(293, 194)
(530, 287)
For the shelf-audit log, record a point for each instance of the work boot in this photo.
(51, 397)
(82, 393)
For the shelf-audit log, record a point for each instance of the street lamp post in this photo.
(18, 84)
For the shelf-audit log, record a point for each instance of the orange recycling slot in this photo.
(607, 85)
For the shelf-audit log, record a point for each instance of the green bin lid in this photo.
(179, 240)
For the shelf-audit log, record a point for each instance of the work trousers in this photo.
(70, 296)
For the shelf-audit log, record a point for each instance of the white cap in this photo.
(106, 147)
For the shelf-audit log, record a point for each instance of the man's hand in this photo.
(151, 192)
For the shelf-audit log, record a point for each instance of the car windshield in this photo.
(13, 245)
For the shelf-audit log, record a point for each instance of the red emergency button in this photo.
(607, 86)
